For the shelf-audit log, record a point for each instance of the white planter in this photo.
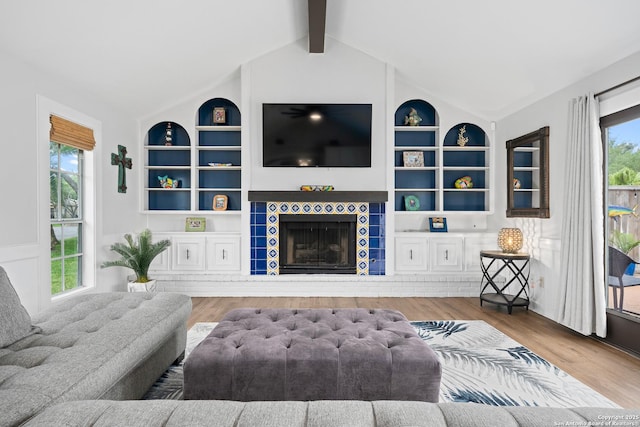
(150, 286)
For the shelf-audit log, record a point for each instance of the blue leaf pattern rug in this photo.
(479, 364)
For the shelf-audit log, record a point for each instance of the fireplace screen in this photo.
(317, 244)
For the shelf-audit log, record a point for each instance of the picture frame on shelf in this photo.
(195, 224)
(219, 115)
(220, 202)
(438, 225)
(411, 203)
(413, 159)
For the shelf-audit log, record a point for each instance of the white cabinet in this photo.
(188, 253)
(411, 254)
(223, 253)
(161, 263)
(472, 247)
(199, 253)
(446, 253)
(419, 251)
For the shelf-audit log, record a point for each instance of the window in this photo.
(621, 136)
(66, 206)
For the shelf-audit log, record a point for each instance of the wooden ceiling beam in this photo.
(317, 19)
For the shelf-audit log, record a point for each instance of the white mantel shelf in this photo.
(318, 196)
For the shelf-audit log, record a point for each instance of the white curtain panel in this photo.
(582, 290)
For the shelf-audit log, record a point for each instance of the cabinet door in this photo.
(472, 248)
(411, 254)
(446, 254)
(161, 262)
(223, 253)
(188, 253)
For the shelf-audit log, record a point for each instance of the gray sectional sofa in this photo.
(86, 360)
(92, 346)
(343, 413)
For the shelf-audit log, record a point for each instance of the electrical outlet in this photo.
(542, 282)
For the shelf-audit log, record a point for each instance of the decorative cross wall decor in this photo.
(123, 162)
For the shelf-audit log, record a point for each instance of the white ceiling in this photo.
(489, 57)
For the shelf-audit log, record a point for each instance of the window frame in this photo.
(42, 291)
(606, 122)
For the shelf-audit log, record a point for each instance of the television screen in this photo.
(316, 135)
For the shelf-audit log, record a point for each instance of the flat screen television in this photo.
(316, 135)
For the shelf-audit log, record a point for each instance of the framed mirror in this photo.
(528, 175)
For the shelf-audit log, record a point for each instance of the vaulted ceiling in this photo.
(489, 57)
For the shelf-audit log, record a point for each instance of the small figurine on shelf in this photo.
(462, 140)
(166, 182)
(168, 136)
(413, 119)
(463, 182)
(516, 183)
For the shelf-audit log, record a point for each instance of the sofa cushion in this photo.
(85, 346)
(336, 413)
(15, 322)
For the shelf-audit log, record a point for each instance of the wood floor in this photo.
(613, 373)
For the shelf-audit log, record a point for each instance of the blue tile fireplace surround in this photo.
(368, 207)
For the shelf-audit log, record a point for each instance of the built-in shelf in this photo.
(444, 162)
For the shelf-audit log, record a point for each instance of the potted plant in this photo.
(626, 242)
(137, 254)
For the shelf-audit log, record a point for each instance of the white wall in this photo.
(551, 111)
(23, 200)
(340, 75)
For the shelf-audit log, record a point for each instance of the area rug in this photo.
(479, 364)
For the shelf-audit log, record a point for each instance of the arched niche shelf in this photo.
(206, 112)
(219, 155)
(416, 158)
(167, 160)
(465, 168)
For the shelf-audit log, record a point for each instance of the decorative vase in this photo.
(149, 286)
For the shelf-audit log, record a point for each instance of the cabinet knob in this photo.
(446, 254)
(411, 254)
(187, 253)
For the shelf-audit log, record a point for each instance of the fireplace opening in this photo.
(317, 244)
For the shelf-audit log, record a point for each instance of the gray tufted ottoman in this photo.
(312, 354)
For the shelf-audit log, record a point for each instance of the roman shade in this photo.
(72, 134)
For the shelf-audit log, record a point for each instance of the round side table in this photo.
(492, 292)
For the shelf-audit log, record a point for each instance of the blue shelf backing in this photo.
(477, 137)
(183, 176)
(415, 139)
(205, 112)
(427, 200)
(464, 158)
(219, 178)
(206, 157)
(170, 200)
(464, 201)
(425, 110)
(415, 179)
(429, 158)
(522, 159)
(170, 158)
(477, 177)
(218, 138)
(205, 200)
(157, 135)
(522, 199)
